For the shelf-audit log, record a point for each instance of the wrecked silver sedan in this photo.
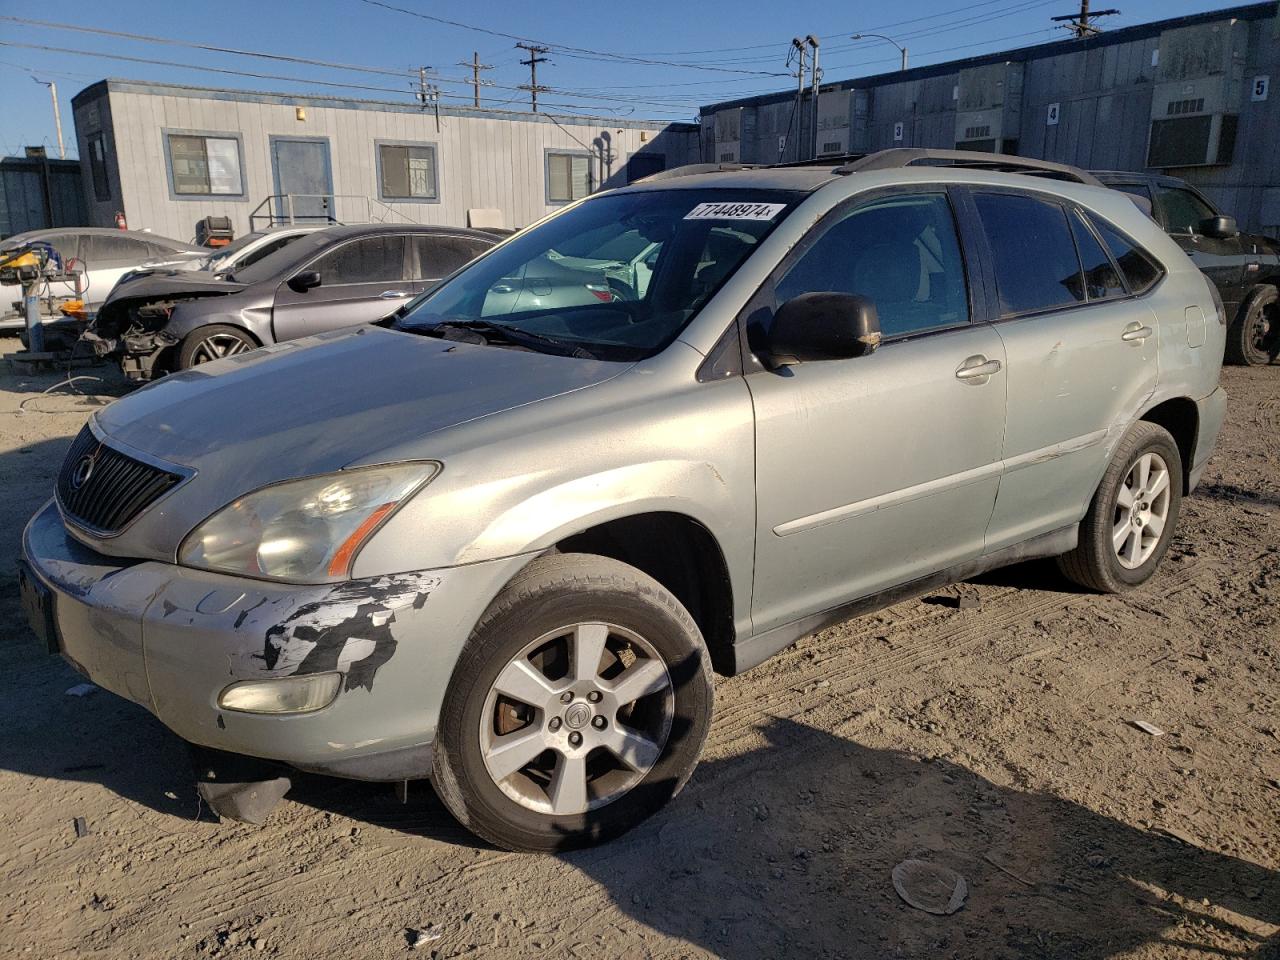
(503, 544)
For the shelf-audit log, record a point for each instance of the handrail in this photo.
(281, 208)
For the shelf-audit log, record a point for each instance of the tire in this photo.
(1253, 335)
(647, 630)
(213, 342)
(1096, 562)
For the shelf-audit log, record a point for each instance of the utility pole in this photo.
(797, 48)
(817, 78)
(476, 66)
(1081, 24)
(535, 58)
(428, 94)
(57, 114)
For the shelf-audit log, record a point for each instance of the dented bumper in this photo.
(172, 639)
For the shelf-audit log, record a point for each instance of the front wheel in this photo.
(1130, 522)
(1253, 336)
(578, 707)
(213, 342)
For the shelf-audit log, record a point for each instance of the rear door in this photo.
(1081, 357)
(361, 280)
(880, 469)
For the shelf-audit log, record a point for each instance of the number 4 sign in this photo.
(1051, 115)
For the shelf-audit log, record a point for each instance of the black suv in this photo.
(1244, 267)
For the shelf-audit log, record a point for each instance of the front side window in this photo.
(1183, 210)
(617, 278)
(901, 252)
(201, 165)
(408, 171)
(98, 168)
(1034, 255)
(568, 177)
(368, 260)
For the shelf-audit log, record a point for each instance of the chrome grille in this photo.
(103, 489)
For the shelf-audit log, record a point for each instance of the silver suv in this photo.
(506, 547)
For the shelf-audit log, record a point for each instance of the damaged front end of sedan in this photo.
(137, 327)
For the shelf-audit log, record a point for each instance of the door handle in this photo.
(1134, 332)
(977, 368)
(391, 295)
(503, 288)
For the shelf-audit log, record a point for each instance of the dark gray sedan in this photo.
(337, 277)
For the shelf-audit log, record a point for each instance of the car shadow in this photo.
(787, 850)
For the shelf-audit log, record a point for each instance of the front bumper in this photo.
(1212, 410)
(171, 639)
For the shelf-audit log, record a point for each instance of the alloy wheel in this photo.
(1142, 509)
(217, 346)
(577, 718)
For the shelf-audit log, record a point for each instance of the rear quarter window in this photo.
(1140, 269)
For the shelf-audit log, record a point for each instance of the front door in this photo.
(881, 469)
(1081, 359)
(361, 281)
(303, 181)
(1221, 259)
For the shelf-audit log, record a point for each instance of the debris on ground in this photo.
(417, 938)
(930, 887)
(82, 827)
(1150, 728)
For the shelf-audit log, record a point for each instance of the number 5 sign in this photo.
(1261, 87)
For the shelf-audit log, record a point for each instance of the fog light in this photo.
(285, 695)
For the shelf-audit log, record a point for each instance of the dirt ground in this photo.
(996, 740)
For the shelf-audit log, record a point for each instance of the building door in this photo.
(303, 179)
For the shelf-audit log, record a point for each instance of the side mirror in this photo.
(1218, 228)
(823, 326)
(302, 282)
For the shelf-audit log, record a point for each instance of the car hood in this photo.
(161, 284)
(315, 405)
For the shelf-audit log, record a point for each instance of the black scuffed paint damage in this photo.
(349, 630)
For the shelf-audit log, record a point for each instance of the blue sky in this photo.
(745, 41)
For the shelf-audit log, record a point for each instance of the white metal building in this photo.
(166, 156)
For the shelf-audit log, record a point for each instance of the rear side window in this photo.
(1100, 277)
(901, 252)
(1139, 268)
(1035, 258)
(369, 260)
(439, 256)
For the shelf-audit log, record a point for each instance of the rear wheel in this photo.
(578, 707)
(213, 342)
(1252, 338)
(1130, 522)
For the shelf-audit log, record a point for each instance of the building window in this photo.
(407, 171)
(568, 176)
(98, 168)
(204, 165)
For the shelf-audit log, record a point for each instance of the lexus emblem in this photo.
(81, 473)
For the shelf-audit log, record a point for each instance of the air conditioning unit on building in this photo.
(833, 123)
(989, 108)
(1193, 104)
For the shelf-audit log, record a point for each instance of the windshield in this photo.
(616, 278)
(225, 255)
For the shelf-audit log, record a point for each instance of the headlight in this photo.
(303, 531)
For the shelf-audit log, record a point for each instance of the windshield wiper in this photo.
(499, 333)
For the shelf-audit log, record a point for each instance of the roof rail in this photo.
(900, 157)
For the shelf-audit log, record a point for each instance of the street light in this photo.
(881, 36)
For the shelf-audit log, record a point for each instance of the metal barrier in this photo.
(337, 208)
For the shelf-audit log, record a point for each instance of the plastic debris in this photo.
(82, 827)
(1150, 728)
(82, 690)
(930, 887)
(417, 938)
